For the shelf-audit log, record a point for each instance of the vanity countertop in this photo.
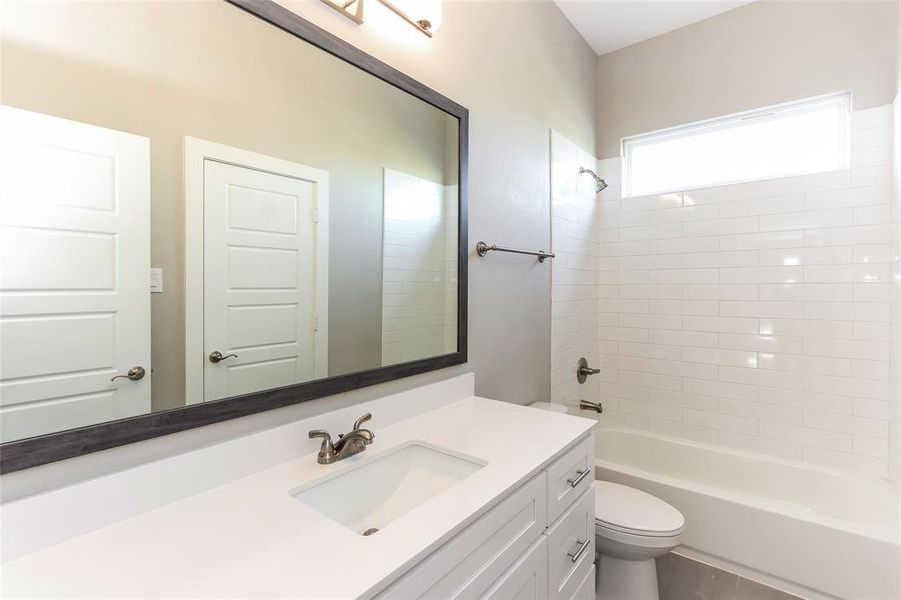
(250, 538)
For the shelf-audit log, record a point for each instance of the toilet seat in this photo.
(631, 532)
(625, 510)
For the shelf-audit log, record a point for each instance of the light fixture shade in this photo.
(426, 13)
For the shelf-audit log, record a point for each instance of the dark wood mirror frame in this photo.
(30, 452)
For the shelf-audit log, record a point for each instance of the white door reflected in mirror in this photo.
(74, 307)
(264, 261)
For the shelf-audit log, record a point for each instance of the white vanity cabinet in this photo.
(538, 542)
(570, 531)
(527, 579)
(470, 563)
(571, 548)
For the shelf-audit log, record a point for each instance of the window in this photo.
(810, 136)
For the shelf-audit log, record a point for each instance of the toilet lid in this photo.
(629, 510)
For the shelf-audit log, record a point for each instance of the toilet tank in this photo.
(550, 406)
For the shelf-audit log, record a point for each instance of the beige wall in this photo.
(518, 79)
(521, 69)
(761, 54)
(150, 80)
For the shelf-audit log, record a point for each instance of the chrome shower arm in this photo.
(601, 184)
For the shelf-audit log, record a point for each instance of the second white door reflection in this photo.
(263, 291)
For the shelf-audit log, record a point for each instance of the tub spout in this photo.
(587, 405)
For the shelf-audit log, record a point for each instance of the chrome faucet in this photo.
(347, 444)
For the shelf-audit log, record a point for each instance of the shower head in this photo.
(601, 184)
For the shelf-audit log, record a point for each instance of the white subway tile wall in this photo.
(876, 408)
(755, 316)
(579, 276)
(419, 272)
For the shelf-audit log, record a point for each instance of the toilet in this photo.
(632, 528)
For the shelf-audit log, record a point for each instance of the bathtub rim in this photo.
(770, 505)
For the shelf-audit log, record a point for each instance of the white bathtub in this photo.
(808, 531)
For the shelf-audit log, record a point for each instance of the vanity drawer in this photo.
(470, 563)
(569, 477)
(571, 548)
(586, 589)
(527, 580)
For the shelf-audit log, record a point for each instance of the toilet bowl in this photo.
(632, 528)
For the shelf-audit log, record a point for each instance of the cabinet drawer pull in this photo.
(583, 547)
(581, 475)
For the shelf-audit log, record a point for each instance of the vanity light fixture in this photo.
(352, 9)
(424, 15)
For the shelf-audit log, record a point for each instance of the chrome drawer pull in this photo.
(581, 475)
(583, 547)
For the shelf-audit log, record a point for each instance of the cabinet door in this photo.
(571, 548)
(569, 476)
(469, 564)
(526, 580)
(586, 588)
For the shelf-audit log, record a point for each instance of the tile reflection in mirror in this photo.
(419, 289)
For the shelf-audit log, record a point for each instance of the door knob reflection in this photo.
(216, 356)
(134, 373)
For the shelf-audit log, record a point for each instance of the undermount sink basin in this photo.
(374, 494)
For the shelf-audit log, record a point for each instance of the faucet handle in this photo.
(359, 422)
(327, 447)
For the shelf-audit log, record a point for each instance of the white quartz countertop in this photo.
(250, 538)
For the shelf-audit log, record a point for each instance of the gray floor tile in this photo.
(751, 590)
(680, 578)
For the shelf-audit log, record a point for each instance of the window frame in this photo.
(772, 112)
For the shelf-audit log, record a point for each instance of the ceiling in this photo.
(609, 25)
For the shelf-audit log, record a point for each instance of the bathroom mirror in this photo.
(210, 209)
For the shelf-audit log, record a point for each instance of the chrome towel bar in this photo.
(482, 248)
